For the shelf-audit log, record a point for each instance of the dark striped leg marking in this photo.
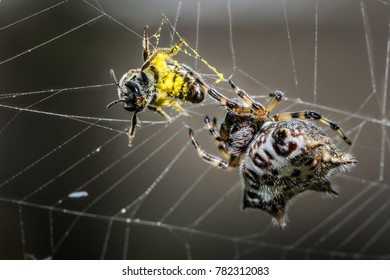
(213, 131)
(216, 161)
(225, 102)
(257, 107)
(307, 114)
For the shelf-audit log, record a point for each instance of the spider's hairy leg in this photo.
(134, 123)
(226, 103)
(161, 112)
(257, 107)
(146, 51)
(213, 131)
(173, 50)
(216, 161)
(307, 114)
(277, 97)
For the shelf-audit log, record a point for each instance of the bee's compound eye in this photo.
(133, 87)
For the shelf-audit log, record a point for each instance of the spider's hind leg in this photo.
(307, 114)
(224, 101)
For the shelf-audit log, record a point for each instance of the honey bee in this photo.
(161, 81)
(279, 156)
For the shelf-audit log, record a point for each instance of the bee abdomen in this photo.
(195, 93)
(189, 89)
(183, 83)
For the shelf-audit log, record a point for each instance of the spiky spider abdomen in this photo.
(287, 158)
(160, 82)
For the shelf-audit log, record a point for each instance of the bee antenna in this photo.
(113, 77)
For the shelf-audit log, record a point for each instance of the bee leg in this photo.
(177, 106)
(174, 50)
(277, 97)
(134, 124)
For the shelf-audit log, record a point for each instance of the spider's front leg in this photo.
(278, 96)
(259, 109)
(227, 103)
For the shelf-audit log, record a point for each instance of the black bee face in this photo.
(131, 91)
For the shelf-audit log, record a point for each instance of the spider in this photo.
(279, 156)
(160, 82)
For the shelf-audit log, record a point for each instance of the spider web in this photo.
(70, 188)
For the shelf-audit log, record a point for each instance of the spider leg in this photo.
(177, 106)
(277, 95)
(313, 116)
(213, 131)
(168, 51)
(216, 161)
(255, 106)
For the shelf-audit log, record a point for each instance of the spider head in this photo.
(132, 90)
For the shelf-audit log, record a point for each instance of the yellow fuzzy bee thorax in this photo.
(169, 83)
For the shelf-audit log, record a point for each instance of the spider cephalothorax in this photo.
(279, 156)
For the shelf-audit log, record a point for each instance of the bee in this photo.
(161, 81)
(279, 156)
